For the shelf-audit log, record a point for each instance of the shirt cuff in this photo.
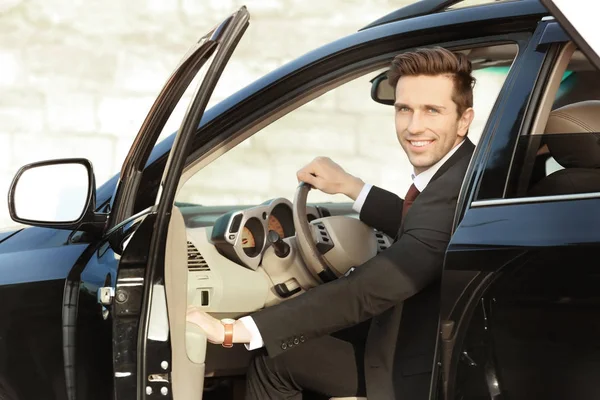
(256, 340)
(362, 196)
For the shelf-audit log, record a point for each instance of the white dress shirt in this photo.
(419, 180)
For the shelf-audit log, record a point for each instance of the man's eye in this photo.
(403, 109)
(432, 110)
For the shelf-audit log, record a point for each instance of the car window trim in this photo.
(535, 199)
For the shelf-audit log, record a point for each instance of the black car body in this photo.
(519, 309)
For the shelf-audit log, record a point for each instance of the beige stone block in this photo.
(22, 97)
(71, 112)
(6, 5)
(194, 7)
(355, 96)
(70, 67)
(22, 120)
(11, 66)
(359, 12)
(295, 37)
(140, 72)
(55, 12)
(123, 115)
(96, 18)
(162, 6)
(5, 151)
(377, 139)
(324, 132)
(261, 8)
(239, 170)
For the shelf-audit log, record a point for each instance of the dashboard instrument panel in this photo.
(241, 235)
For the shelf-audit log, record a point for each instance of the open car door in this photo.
(142, 356)
(578, 19)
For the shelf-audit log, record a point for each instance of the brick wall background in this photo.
(78, 77)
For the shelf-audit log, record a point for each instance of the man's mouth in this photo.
(420, 143)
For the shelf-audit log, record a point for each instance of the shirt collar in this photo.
(422, 180)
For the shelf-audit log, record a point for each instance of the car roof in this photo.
(427, 7)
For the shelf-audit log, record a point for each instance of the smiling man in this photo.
(373, 332)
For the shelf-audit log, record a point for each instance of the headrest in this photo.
(578, 151)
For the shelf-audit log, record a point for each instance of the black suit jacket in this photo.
(401, 282)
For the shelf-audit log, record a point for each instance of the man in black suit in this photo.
(373, 332)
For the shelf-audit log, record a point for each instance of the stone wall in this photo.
(77, 77)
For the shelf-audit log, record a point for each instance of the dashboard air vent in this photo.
(195, 260)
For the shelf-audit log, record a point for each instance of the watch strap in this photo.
(228, 339)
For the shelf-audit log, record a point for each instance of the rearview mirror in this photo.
(381, 90)
(55, 193)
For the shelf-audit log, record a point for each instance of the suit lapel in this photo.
(464, 150)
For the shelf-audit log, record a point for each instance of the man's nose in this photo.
(416, 125)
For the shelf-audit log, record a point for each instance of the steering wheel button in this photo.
(296, 341)
(283, 346)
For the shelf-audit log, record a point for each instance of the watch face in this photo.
(228, 321)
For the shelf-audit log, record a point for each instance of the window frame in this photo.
(496, 165)
(336, 79)
(549, 84)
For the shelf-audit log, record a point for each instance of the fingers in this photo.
(308, 177)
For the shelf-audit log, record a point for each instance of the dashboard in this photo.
(241, 236)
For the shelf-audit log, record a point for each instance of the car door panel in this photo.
(31, 293)
(471, 258)
(519, 313)
(529, 327)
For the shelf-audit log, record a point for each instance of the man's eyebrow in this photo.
(434, 106)
(400, 105)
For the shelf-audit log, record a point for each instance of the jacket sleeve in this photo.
(413, 262)
(382, 210)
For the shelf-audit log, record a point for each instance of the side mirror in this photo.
(57, 194)
(381, 90)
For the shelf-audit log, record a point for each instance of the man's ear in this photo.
(465, 121)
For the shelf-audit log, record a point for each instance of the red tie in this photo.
(410, 197)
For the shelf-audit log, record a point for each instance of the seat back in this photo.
(579, 155)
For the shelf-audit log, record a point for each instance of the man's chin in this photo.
(420, 164)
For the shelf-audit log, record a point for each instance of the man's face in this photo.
(427, 122)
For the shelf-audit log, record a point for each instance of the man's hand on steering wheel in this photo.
(327, 176)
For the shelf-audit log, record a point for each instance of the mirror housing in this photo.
(59, 194)
(381, 91)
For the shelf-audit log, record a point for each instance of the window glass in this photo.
(344, 124)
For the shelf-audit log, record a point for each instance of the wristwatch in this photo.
(228, 339)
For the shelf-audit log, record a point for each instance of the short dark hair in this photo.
(437, 61)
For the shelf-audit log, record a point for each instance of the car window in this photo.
(565, 159)
(344, 124)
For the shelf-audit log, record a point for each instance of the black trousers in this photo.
(328, 366)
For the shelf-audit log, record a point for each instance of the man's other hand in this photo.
(214, 329)
(327, 176)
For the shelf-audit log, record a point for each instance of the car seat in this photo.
(578, 154)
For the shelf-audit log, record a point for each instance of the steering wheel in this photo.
(318, 266)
